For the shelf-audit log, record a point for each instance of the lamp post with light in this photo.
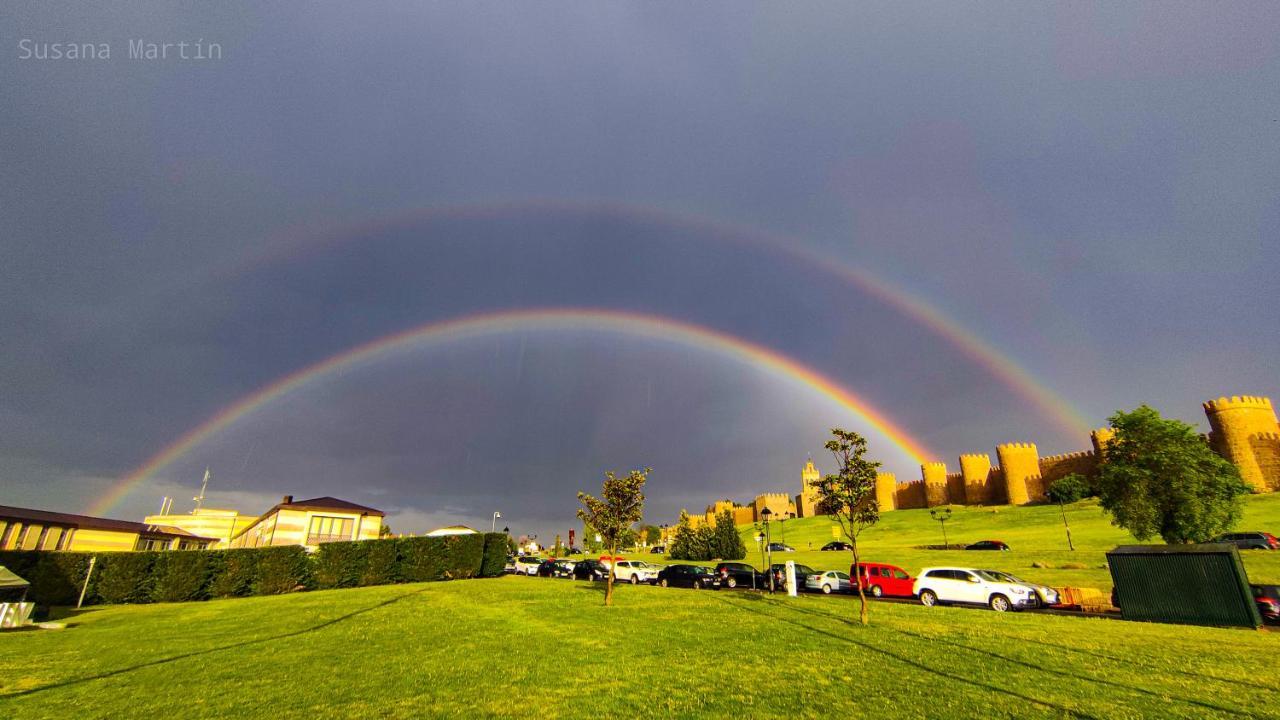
(768, 541)
(493, 527)
(942, 515)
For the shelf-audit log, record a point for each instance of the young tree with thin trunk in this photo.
(620, 506)
(850, 496)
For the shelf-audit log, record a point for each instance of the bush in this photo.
(495, 555)
(234, 572)
(181, 576)
(281, 570)
(124, 577)
(381, 559)
(341, 564)
(440, 558)
(56, 578)
(1069, 489)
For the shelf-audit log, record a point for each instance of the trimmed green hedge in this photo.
(180, 576)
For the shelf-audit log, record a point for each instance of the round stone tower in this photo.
(1237, 426)
(886, 490)
(934, 475)
(1021, 465)
(975, 468)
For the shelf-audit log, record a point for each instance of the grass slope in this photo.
(529, 647)
(1034, 532)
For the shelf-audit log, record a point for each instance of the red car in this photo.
(881, 579)
(1268, 599)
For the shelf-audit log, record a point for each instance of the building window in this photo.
(152, 544)
(22, 537)
(329, 529)
(5, 531)
(64, 542)
(52, 537)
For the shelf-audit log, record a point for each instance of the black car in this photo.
(590, 570)
(736, 574)
(780, 547)
(987, 545)
(836, 545)
(658, 549)
(691, 576)
(555, 568)
(779, 571)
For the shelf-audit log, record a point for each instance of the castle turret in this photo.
(807, 500)
(1021, 465)
(886, 490)
(975, 468)
(1100, 438)
(934, 475)
(1243, 430)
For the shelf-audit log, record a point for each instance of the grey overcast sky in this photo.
(1089, 192)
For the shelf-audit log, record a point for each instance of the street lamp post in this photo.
(942, 515)
(760, 542)
(493, 527)
(768, 562)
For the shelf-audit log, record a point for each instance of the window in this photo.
(900, 574)
(22, 536)
(52, 537)
(64, 542)
(5, 531)
(329, 529)
(152, 544)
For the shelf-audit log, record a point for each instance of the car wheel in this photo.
(697, 585)
(663, 582)
(826, 589)
(999, 603)
(876, 591)
(928, 598)
(635, 579)
(733, 583)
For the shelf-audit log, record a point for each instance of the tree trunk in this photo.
(608, 581)
(857, 579)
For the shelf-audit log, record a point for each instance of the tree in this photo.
(384, 531)
(727, 544)
(589, 541)
(850, 495)
(651, 533)
(621, 505)
(1159, 477)
(682, 543)
(1069, 489)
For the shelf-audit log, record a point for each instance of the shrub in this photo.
(380, 562)
(495, 555)
(181, 576)
(440, 558)
(234, 572)
(124, 577)
(56, 578)
(281, 570)
(340, 564)
(1069, 489)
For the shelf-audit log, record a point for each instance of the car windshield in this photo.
(842, 576)
(997, 576)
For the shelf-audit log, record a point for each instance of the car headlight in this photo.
(1018, 591)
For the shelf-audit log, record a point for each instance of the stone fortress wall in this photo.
(1243, 429)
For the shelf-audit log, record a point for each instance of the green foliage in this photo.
(381, 562)
(55, 577)
(651, 534)
(281, 570)
(181, 576)
(682, 544)
(341, 564)
(124, 577)
(612, 515)
(726, 542)
(237, 570)
(850, 494)
(1158, 477)
(440, 558)
(494, 561)
(1069, 489)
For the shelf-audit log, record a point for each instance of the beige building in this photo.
(206, 522)
(27, 529)
(310, 523)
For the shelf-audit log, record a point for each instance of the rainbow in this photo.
(1065, 416)
(497, 323)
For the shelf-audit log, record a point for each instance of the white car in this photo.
(635, 571)
(1046, 594)
(527, 565)
(976, 587)
(828, 581)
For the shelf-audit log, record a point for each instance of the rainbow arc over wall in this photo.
(503, 322)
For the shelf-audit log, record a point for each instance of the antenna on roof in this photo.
(203, 485)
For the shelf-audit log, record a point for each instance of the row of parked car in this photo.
(998, 590)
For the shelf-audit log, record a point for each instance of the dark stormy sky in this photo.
(1093, 192)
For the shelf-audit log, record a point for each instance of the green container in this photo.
(1190, 584)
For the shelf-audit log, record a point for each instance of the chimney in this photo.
(287, 499)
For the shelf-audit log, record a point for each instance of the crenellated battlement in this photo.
(1237, 401)
(976, 456)
(1067, 456)
(1015, 446)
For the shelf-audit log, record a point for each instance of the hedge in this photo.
(179, 576)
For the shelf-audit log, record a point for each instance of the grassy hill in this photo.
(530, 647)
(1035, 533)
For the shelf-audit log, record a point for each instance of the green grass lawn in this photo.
(1034, 532)
(530, 647)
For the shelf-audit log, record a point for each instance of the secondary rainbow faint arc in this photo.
(630, 323)
(999, 364)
